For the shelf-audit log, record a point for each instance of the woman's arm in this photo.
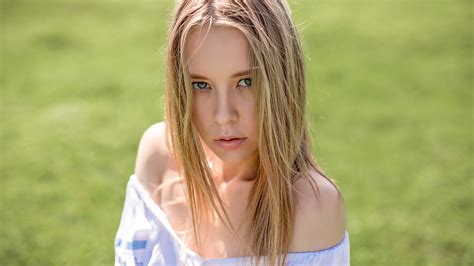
(152, 157)
(320, 222)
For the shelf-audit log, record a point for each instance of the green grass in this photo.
(390, 102)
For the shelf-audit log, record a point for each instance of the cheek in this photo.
(199, 113)
(250, 109)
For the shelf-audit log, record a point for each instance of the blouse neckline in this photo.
(163, 218)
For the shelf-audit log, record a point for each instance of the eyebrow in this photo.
(238, 74)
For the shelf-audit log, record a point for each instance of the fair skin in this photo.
(226, 106)
(219, 65)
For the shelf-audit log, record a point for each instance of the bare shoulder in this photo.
(152, 156)
(320, 220)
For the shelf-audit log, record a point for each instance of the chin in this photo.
(238, 155)
(229, 158)
(234, 156)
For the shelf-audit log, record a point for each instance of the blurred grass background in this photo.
(390, 103)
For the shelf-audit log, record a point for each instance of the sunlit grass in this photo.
(390, 104)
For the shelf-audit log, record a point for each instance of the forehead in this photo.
(216, 51)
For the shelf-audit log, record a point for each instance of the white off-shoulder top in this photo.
(145, 237)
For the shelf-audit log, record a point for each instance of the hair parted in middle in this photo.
(284, 146)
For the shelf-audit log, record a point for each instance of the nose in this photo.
(225, 111)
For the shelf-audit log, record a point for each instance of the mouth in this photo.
(230, 143)
(229, 139)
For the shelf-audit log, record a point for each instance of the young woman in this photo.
(229, 177)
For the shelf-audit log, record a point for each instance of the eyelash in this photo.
(202, 82)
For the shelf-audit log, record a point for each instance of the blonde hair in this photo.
(284, 148)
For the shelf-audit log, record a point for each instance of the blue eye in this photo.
(200, 85)
(247, 82)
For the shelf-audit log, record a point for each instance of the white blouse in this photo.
(145, 237)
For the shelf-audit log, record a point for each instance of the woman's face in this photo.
(224, 104)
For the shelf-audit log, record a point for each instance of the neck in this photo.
(227, 172)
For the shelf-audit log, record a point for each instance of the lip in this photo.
(228, 137)
(233, 144)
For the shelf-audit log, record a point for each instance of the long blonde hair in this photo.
(284, 148)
